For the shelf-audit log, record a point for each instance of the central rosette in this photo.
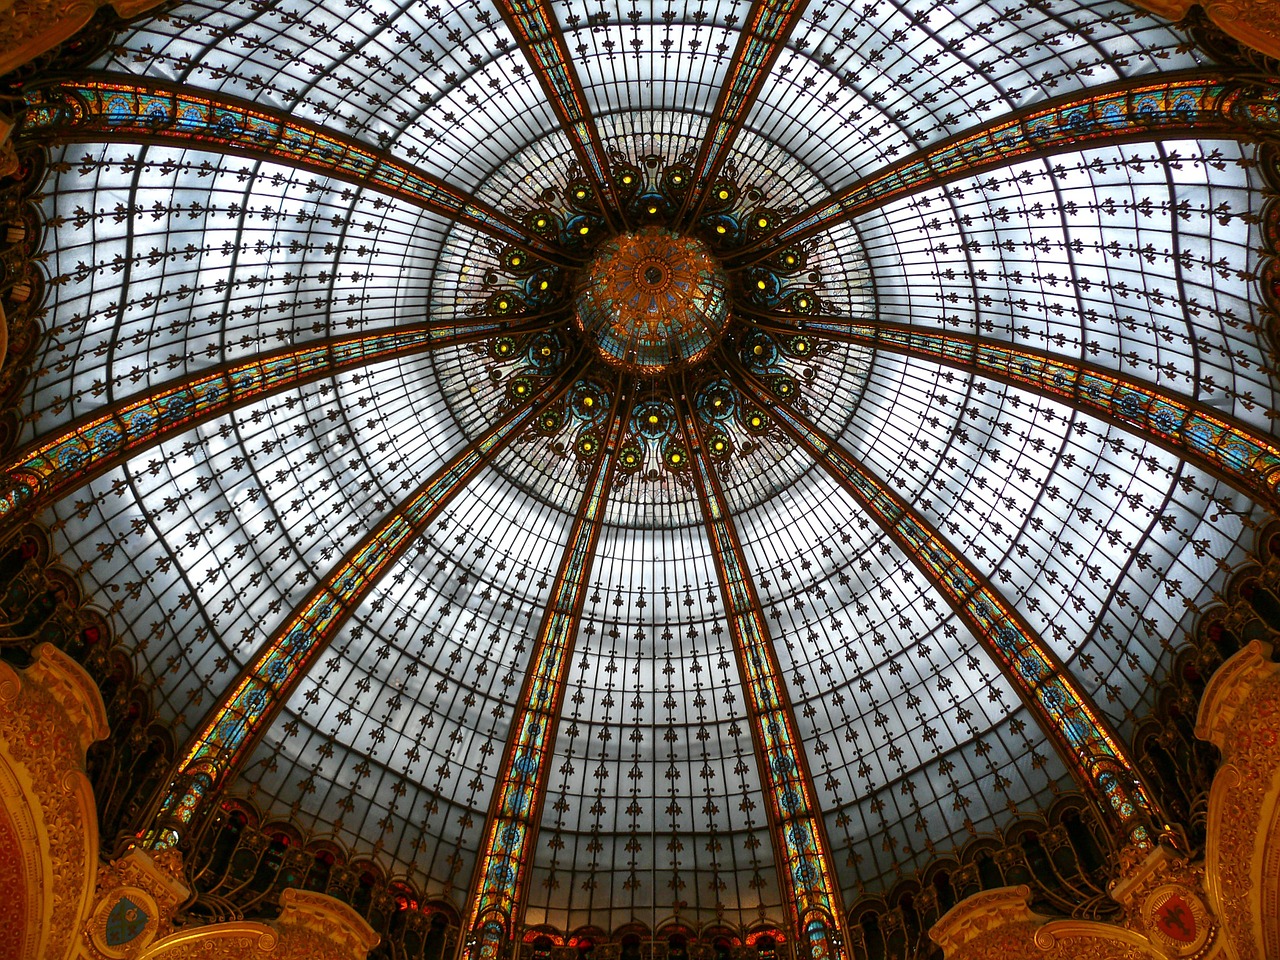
(653, 302)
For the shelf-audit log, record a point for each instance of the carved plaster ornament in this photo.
(311, 926)
(1240, 715)
(137, 897)
(49, 715)
(1163, 899)
(1252, 22)
(1001, 924)
(29, 28)
(993, 923)
(8, 157)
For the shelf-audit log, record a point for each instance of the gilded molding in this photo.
(987, 922)
(233, 940)
(1252, 22)
(49, 714)
(29, 28)
(1229, 689)
(1000, 923)
(311, 926)
(137, 897)
(1089, 940)
(1163, 896)
(316, 925)
(24, 881)
(8, 165)
(1240, 715)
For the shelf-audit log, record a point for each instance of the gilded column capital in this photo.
(314, 925)
(996, 922)
(74, 690)
(1230, 688)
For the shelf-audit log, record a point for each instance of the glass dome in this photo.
(747, 603)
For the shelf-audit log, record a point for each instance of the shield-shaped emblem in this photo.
(1176, 920)
(125, 921)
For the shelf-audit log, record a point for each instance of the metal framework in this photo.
(534, 25)
(502, 871)
(1225, 447)
(53, 466)
(802, 852)
(1091, 749)
(110, 108)
(242, 716)
(1136, 109)
(114, 108)
(768, 26)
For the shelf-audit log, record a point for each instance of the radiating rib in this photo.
(227, 734)
(1225, 447)
(110, 108)
(768, 26)
(533, 23)
(804, 875)
(510, 830)
(1133, 110)
(53, 466)
(1091, 750)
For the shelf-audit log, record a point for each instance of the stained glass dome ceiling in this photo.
(924, 585)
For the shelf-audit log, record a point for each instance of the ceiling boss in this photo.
(653, 302)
